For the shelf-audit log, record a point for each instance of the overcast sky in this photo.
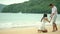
(7, 2)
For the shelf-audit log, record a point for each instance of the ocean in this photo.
(13, 20)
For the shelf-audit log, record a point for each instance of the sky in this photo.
(8, 2)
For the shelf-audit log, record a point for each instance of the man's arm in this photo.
(52, 15)
(53, 12)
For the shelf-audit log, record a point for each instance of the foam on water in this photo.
(12, 20)
(20, 24)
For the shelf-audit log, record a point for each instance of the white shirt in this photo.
(54, 10)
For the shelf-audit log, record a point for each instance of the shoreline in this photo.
(28, 30)
(25, 27)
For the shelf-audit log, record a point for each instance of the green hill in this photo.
(1, 7)
(32, 6)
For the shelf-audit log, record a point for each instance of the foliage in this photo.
(32, 6)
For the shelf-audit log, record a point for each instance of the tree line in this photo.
(32, 6)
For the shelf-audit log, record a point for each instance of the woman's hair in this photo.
(45, 15)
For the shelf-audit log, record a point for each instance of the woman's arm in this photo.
(47, 20)
(42, 19)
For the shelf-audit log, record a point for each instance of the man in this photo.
(54, 16)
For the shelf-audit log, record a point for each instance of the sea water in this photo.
(11, 20)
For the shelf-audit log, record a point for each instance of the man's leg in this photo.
(54, 24)
(54, 27)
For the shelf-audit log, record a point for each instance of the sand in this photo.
(28, 30)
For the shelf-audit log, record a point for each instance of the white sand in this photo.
(28, 30)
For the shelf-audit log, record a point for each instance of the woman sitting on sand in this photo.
(43, 20)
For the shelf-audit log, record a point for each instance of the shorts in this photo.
(54, 18)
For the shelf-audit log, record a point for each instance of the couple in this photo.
(53, 18)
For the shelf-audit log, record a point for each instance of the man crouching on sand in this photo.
(54, 16)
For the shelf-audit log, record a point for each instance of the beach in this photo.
(28, 30)
(16, 23)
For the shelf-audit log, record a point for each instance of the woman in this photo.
(43, 20)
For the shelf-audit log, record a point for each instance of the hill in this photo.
(1, 7)
(32, 6)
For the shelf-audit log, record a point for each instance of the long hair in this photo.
(45, 15)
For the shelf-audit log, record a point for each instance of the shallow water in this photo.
(8, 20)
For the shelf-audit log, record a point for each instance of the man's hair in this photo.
(50, 4)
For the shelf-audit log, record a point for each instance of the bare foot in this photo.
(39, 31)
(54, 30)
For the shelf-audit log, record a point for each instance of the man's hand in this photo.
(49, 21)
(51, 18)
(52, 15)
